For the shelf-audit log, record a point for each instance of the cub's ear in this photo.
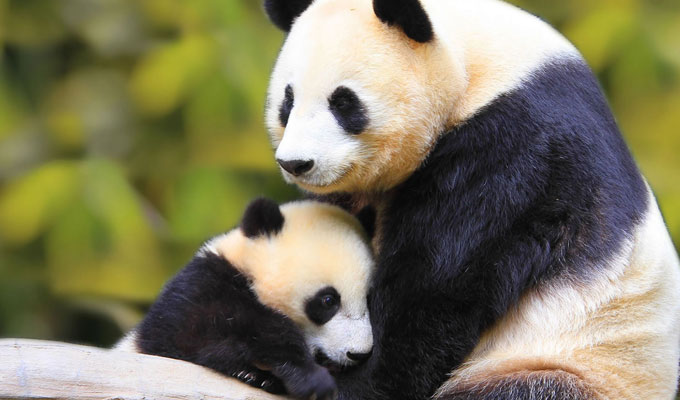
(262, 217)
(409, 15)
(283, 12)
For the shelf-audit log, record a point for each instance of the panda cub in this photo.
(267, 301)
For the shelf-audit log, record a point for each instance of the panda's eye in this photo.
(321, 307)
(341, 103)
(348, 110)
(286, 106)
(329, 301)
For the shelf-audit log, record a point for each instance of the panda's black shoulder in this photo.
(545, 159)
(210, 275)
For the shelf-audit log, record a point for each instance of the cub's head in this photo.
(359, 92)
(311, 262)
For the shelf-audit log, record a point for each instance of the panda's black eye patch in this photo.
(321, 307)
(286, 106)
(348, 110)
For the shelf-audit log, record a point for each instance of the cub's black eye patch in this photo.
(286, 106)
(348, 110)
(321, 307)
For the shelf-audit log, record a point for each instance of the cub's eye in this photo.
(329, 301)
(321, 307)
(348, 110)
(286, 106)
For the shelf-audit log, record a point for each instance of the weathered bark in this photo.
(33, 369)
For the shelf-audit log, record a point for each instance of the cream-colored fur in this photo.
(412, 92)
(619, 333)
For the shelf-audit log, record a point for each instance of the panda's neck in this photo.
(499, 45)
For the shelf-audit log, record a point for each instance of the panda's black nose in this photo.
(296, 167)
(359, 357)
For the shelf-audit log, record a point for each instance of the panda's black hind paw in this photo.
(261, 380)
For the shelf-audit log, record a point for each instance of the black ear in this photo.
(407, 14)
(283, 12)
(367, 218)
(262, 217)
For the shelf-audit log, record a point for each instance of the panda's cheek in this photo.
(337, 163)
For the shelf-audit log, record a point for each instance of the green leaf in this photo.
(598, 35)
(104, 245)
(30, 203)
(164, 77)
(33, 23)
(205, 202)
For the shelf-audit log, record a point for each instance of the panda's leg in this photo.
(230, 363)
(522, 385)
(291, 369)
(234, 358)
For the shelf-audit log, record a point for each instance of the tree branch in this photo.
(34, 369)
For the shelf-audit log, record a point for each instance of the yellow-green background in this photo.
(131, 130)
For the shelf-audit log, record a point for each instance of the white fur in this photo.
(128, 343)
(341, 335)
(496, 39)
(318, 138)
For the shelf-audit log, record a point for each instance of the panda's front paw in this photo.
(261, 380)
(318, 384)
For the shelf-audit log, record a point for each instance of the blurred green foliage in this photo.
(131, 130)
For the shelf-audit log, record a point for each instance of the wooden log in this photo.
(34, 369)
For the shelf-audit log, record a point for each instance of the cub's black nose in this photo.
(359, 357)
(296, 167)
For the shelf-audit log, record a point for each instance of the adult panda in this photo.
(521, 255)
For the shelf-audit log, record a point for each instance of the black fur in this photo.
(323, 305)
(537, 186)
(262, 217)
(208, 315)
(348, 110)
(286, 106)
(407, 14)
(366, 217)
(283, 12)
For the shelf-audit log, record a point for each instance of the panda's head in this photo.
(311, 262)
(359, 93)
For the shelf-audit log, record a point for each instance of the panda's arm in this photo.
(429, 310)
(426, 329)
